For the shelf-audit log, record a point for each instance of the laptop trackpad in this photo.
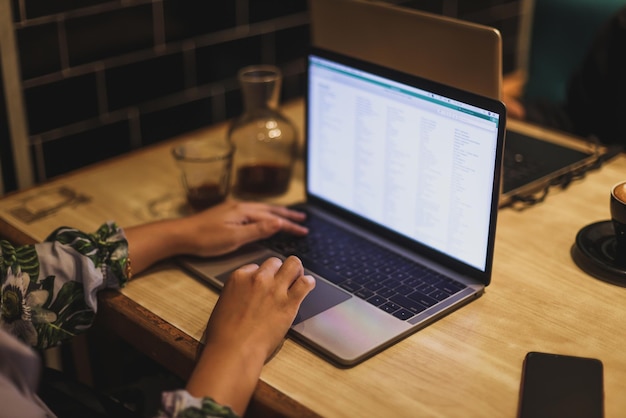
(323, 297)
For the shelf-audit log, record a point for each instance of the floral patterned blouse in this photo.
(48, 294)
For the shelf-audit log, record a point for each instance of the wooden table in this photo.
(466, 364)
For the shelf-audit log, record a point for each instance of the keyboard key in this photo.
(350, 286)
(364, 293)
(361, 279)
(389, 307)
(399, 275)
(387, 292)
(376, 300)
(431, 279)
(403, 314)
(452, 288)
(407, 303)
(391, 283)
(373, 285)
(348, 274)
(425, 288)
(403, 289)
(423, 299)
(439, 295)
(378, 276)
(411, 281)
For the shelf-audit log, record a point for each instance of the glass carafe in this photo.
(265, 141)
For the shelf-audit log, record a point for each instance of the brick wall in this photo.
(6, 162)
(101, 77)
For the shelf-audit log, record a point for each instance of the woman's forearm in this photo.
(156, 241)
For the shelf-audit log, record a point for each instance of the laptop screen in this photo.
(414, 161)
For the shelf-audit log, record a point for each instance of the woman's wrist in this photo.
(227, 373)
(156, 241)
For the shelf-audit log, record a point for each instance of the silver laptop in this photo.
(460, 54)
(402, 180)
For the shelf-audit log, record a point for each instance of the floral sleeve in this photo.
(48, 294)
(49, 290)
(180, 404)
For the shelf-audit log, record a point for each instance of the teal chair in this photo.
(559, 33)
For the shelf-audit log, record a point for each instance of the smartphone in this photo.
(555, 385)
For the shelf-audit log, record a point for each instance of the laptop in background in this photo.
(450, 51)
(402, 180)
(458, 53)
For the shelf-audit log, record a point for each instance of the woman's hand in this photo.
(227, 226)
(214, 231)
(258, 305)
(256, 308)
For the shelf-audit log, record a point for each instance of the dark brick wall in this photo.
(6, 160)
(103, 77)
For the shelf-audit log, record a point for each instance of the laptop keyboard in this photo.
(391, 282)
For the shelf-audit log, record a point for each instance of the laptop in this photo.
(402, 180)
(450, 51)
(461, 54)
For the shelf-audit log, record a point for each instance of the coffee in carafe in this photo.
(265, 141)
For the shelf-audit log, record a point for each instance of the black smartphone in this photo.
(555, 385)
